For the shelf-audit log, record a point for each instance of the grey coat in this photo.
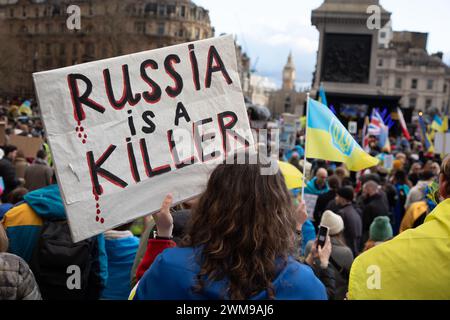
(16, 279)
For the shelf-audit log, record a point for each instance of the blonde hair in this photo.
(4, 242)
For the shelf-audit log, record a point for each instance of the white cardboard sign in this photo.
(126, 131)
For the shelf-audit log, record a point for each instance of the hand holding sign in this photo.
(163, 218)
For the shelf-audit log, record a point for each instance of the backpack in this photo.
(54, 253)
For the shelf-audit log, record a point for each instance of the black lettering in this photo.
(229, 126)
(95, 170)
(155, 95)
(79, 100)
(168, 65)
(151, 125)
(173, 151)
(127, 93)
(194, 65)
(214, 57)
(181, 112)
(150, 172)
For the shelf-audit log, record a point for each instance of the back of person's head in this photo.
(334, 182)
(346, 193)
(341, 172)
(4, 242)
(333, 221)
(41, 154)
(400, 176)
(245, 224)
(380, 229)
(8, 149)
(20, 154)
(17, 195)
(427, 175)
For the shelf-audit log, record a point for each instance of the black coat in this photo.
(352, 227)
(8, 173)
(321, 205)
(372, 207)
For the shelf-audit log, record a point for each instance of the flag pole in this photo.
(306, 142)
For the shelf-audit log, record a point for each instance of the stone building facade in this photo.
(406, 69)
(37, 36)
(288, 99)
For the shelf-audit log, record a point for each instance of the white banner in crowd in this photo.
(124, 132)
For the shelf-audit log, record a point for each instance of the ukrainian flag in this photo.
(328, 139)
(440, 125)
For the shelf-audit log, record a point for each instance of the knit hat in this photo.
(346, 193)
(381, 229)
(333, 221)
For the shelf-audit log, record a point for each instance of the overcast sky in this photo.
(269, 29)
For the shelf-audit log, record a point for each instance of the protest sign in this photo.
(442, 143)
(388, 162)
(353, 127)
(28, 145)
(124, 132)
(310, 201)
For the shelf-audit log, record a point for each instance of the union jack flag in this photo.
(376, 124)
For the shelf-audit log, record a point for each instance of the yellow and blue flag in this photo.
(322, 96)
(440, 125)
(425, 137)
(328, 139)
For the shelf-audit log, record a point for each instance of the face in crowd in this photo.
(322, 176)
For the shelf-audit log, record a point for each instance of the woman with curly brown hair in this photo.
(239, 244)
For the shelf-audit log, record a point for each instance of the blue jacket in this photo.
(308, 234)
(312, 189)
(173, 274)
(121, 253)
(23, 223)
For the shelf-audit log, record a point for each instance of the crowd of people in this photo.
(247, 236)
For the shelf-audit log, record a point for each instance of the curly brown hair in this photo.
(244, 224)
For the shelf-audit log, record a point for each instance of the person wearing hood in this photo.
(39, 174)
(17, 282)
(238, 245)
(121, 247)
(23, 224)
(413, 265)
(319, 184)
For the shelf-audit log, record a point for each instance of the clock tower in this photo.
(289, 75)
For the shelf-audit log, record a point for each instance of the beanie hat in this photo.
(381, 229)
(333, 221)
(346, 193)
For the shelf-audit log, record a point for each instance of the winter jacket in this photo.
(311, 188)
(321, 205)
(38, 175)
(121, 247)
(23, 224)
(342, 258)
(352, 227)
(16, 279)
(308, 234)
(8, 173)
(20, 164)
(372, 207)
(416, 212)
(412, 266)
(173, 273)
